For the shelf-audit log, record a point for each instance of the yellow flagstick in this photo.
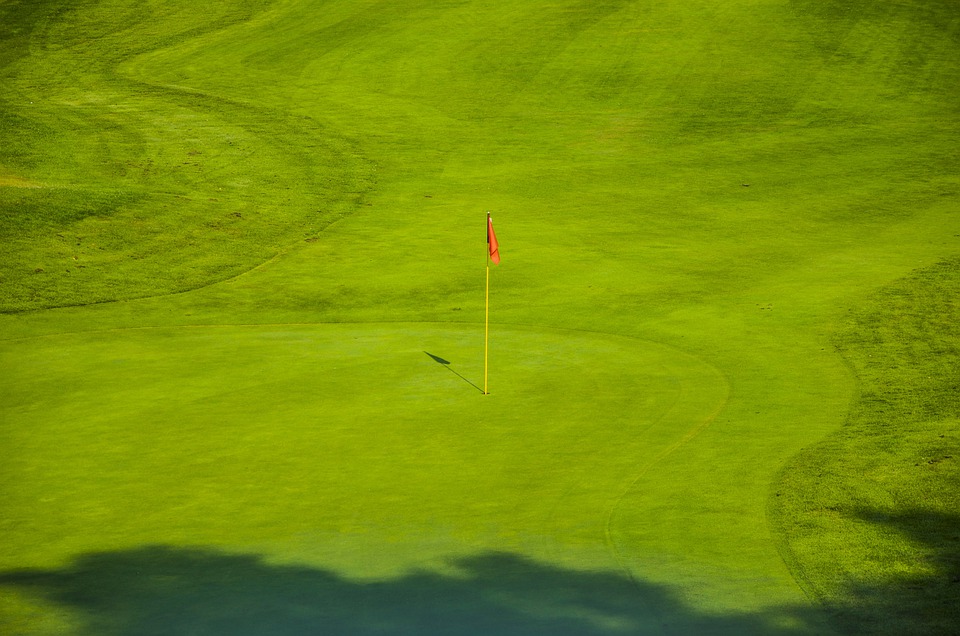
(486, 327)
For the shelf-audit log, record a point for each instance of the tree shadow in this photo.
(927, 603)
(449, 367)
(159, 590)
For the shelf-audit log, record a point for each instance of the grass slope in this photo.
(689, 197)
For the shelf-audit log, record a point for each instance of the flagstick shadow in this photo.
(446, 364)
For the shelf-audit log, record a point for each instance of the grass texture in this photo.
(882, 494)
(241, 317)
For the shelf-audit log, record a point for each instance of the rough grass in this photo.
(882, 495)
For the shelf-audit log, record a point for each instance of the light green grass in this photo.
(689, 198)
(372, 435)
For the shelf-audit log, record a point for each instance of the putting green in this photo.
(280, 438)
(365, 448)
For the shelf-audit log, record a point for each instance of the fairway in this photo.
(242, 317)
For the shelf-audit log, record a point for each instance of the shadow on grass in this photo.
(163, 590)
(447, 364)
(927, 603)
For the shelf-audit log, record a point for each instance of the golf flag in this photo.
(492, 242)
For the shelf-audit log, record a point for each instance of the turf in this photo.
(882, 493)
(243, 242)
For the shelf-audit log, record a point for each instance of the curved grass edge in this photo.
(190, 180)
(868, 520)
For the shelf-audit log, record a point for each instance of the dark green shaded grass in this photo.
(882, 495)
(154, 590)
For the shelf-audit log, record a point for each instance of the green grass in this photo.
(233, 234)
(153, 190)
(882, 493)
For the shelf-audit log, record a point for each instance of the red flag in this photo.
(492, 242)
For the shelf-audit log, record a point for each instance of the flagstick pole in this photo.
(486, 327)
